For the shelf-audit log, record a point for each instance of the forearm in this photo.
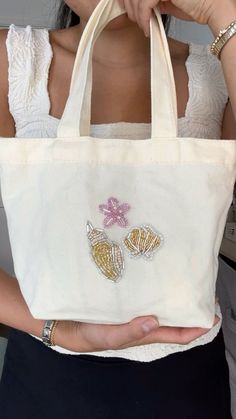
(13, 309)
(224, 13)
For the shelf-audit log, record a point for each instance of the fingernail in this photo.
(150, 325)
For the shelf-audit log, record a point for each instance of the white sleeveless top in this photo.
(30, 55)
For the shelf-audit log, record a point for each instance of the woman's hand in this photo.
(87, 337)
(140, 11)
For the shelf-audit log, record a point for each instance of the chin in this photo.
(85, 8)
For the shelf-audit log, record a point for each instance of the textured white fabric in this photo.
(30, 55)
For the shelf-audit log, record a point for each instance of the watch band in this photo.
(47, 332)
(224, 36)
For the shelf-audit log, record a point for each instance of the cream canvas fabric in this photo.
(104, 230)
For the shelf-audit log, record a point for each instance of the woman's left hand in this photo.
(140, 11)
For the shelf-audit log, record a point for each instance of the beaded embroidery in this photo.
(143, 241)
(114, 213)
(107, 255)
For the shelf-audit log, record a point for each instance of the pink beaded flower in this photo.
(114, 213)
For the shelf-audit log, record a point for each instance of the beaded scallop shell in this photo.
(143, 241)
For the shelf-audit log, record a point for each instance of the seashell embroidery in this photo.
(143, 241)
(115, 213)
(107, 255)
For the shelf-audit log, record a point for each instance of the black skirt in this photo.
(40, 383)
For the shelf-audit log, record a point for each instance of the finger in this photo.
(170, 335)
(173, 335)
(181, 335)
(128, 5)
(121, 3)
(115, 336)
(135, 5)
(145, 12)
(178, 335)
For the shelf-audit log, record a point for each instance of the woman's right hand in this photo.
(88, 337)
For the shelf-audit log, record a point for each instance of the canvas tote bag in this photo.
(104, 230)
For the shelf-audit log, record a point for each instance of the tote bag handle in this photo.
(76, 119)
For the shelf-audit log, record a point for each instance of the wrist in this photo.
(48, 332)
(223, 13)
(61, 333)
(35, 328)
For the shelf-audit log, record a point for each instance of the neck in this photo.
(126, 46)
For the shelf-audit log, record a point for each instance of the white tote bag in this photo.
(104, 230)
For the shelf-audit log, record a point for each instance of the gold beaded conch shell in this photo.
(108, 256)
(143, 241)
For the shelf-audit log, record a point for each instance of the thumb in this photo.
(127, 333)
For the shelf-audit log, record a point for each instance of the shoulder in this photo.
(178, 49)
(3, 55)
(207, 70)
(28, 50)
(25, 36)
(17, 46)
(7, 128)
(3, 65)
(200, 53)
(3, 36)
(204, 67)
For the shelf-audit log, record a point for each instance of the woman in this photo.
(95, 370)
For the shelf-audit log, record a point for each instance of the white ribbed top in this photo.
(30, 55)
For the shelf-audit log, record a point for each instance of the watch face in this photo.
(47, 330)
(46, 333)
